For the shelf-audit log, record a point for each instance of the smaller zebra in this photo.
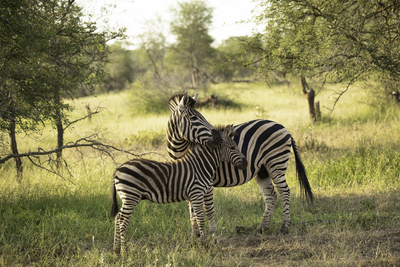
(188, 178)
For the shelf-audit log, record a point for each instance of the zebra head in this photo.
(187, 125)
(229, 149)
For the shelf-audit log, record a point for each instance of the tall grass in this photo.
(352, 159)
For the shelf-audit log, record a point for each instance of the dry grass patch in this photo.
(320, 247)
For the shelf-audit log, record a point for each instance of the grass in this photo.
(353, 163)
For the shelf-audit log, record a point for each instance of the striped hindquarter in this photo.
(266, 145)
(188, 178)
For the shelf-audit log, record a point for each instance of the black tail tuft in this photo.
(114, 202)
(301, 173)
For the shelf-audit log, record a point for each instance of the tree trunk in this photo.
(89, 113)
(59, 126)
(396, 96)
(194, 78)
(309, 93)
(60, 138)
(14, 149)
(311, 104)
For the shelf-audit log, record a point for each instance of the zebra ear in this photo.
(184, 101)
(228, 131)
(196, 96)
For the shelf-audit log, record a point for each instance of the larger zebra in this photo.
(266, 145)
(187, 125)
(189, 178)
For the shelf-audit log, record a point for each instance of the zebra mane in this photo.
(174, 101)
(222, 128)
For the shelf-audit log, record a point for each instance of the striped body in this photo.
(266, 145)
(189, 178)
(270, 151)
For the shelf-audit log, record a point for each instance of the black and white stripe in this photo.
(266, 145)
(187, 125)
(188, 178)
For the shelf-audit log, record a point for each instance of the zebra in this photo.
(187, 125)
(266, 145)
(188, 178)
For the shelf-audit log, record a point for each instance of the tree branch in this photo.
(80, 119)
(83, 142)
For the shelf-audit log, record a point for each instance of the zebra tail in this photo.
(301, 173)
(114, 202)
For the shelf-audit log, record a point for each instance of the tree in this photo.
(190, 25)
(230, 60)
(338, 41)
(23, 38)
(153, 42)
(47, 53)
(123, 68)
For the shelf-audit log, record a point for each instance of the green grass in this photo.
(352, 158)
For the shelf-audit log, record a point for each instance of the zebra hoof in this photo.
(284, 229)
(260, 231)
(213, 234)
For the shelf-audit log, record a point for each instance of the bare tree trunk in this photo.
(59, 126)
(89, 113)
(396, 96)
(60, 138)
(14, 149)
(304, 85)
(309, 93)
(318, 110)
(195, 78)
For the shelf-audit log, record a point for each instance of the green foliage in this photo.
(150, 97)
(230, 60)
(340, 41)
(48, 53)
(123, 68)
(193, 47)
(24, 36)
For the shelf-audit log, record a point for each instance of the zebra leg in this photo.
(117, 234)
(197, 205)
(267, 190)
(122, 221)
(209, 209)
(193, 222)
(284, 195)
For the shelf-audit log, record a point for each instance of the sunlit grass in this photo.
(352, 160)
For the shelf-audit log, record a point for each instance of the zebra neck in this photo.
(206, 159)
(176, 145)
(177, 149)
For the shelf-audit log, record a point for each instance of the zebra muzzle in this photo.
(243, 164)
